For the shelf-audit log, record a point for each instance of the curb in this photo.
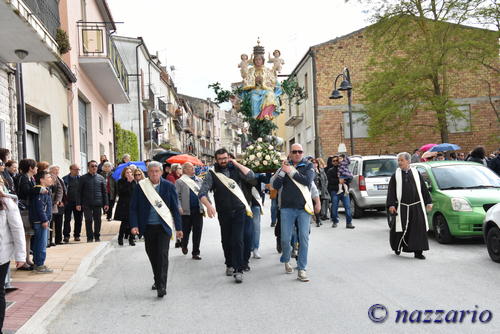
(43, 317)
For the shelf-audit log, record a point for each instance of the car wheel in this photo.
(356, 211)
(441, 230)
(493, 243)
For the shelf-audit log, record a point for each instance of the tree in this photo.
(126, 143)
(421, 51)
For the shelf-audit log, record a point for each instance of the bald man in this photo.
(293, 182)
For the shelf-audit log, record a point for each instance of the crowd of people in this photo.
(41, 209)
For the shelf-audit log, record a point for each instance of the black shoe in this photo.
(131, 242)
(77, 239)
(278, 247)
(246, 267)
(90, 240)
(97, 240)
(120, 241)
(66, 240)
(349, 226)
(334, 225)
(420, 256)
(59, 243)
(184, 250)
(161, 293)
(397, 252)
(153, 287)
(273, 224)
(178, 244)
(318, 224)
(196, 257)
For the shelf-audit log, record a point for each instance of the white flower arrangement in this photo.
(262, 157)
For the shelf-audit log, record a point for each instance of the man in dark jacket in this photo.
(152, 222)
(494, 164)
(293, 181)
(71, 181)
(91, 197)
(333, 188)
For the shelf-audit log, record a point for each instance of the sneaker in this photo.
(295, 253)
(246, 267)
(288, 268)
(334, 225)
(273, 224)
(43, 270)
(256, 254)
(229, 271)
(302, 276)
(351, 226)
(238, 277)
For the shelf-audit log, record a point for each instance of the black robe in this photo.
(415, 239)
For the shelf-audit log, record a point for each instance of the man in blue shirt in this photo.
(145, 219)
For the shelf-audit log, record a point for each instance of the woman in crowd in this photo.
(107, 173)
(478, 155)
(125, 186)
(138, 175)
(166, 170)
(12, 244)
(24, 189)
(58, 190)
(175, 173)
(324, 194)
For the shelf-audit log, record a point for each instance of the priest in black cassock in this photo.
(407, 201)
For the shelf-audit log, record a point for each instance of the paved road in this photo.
(350, 270)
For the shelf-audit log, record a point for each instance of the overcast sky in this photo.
(204, 39)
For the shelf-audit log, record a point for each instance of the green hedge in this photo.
(126, 143)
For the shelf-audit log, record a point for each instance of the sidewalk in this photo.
(35, 289)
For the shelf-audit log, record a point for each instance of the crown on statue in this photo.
(258, 49)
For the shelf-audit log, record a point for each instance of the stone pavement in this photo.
(34, 290)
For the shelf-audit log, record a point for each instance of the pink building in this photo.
(101, 78)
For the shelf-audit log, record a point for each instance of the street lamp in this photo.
(345, 85)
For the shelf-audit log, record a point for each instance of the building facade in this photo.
(328, 120)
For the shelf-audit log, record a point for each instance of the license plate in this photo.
(382, 186)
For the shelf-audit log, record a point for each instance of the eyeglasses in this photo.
(297, 152)
(137, 174)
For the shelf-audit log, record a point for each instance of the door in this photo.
(82, 120)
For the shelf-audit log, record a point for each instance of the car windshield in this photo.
(465, 177)
(379, 167)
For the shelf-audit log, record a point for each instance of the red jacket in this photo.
(172, 177)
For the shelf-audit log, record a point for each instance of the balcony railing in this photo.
(96, 42)
(46, 11)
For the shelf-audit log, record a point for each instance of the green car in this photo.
(461, 193)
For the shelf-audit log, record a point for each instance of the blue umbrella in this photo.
(445, 147)
(117, 174)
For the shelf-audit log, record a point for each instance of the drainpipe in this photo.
(317, 145)
(21, 113)
(114, 134)
(139, 109)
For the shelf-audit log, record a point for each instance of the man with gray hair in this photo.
(107, 174)
(407, 201)
(154, 213)
(59, 197)
(188, 187)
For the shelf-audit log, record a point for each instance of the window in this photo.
(66, 142)
(425, 175)
(298, 138)
(460, 124)
(359, 126)
(101, 127)
(101, 149)
(111, 152)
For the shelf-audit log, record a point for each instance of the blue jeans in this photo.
(256, 227)
(288, 218)
(274, 210)
(40, 245)
(335, 207)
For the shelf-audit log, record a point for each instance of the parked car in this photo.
(371, 175)
(461, 193)
(491, 232)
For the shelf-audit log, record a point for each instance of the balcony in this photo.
(100, 59)
(29, 25)
(294, 120)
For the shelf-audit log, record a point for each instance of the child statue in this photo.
(243, 65)
(276, 61)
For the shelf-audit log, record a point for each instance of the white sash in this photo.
(256, 195)
(306, 192)
(190, 183)
(235, 189)
(399, 192)
(157, 202)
